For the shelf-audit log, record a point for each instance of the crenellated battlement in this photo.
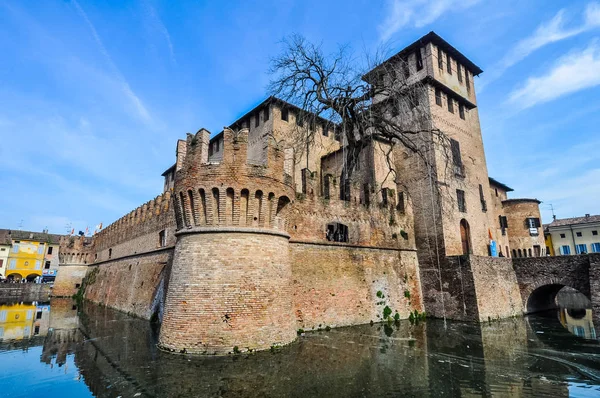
(150, 216)
(232, 191)
(75, 250)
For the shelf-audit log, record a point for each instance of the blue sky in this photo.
(94, 95)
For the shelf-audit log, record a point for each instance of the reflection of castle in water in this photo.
(64, 335)
(117, 355)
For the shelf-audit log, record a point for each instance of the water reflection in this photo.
(23, 320)
(575, 313)
(101, 352)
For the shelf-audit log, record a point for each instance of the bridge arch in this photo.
(542, 295)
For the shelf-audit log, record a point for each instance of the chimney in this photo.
(553, 217)
(587, 216)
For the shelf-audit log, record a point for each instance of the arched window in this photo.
(519, 251)
(337, 232)
(514, 253)
(529, 250)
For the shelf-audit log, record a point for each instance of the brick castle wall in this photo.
(133, 284)
(337, 285)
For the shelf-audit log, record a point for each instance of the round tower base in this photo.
(229, 291)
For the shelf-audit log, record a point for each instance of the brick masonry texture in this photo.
(24, 292)
(68, 280)
(229, 289)
(338, 285)
(132, 284)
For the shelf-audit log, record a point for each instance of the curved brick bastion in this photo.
(229, 287)
(230, 283)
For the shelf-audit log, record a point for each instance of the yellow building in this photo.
(16, 321)
(549, 245)
(30, 254)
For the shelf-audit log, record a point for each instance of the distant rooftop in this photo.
(587, 219)
(7, 235)
(500, 185)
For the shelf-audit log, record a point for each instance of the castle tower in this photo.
(230, 284)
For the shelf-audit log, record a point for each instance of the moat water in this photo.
(57, 349)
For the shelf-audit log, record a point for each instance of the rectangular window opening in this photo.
(419, 59)
(440, 58)
(460, 198)
(438, 97)
(461, 111)
(450, 105)
(448, 64)
(285, 114)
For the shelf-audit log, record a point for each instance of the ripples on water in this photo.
(95, 351)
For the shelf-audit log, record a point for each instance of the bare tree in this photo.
(380, 100)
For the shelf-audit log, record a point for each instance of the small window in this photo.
(384, 196)
(419, 59)
(482, 199)
(595, 233)
(503, 222)
(563, 236)
(47, 265)
(162, 238)
(50, 249)
(459, 72)
(448, 64)
(579, 234)
(36, 330)
(257, 120)
(461, 111)
(77, 285)
(438, 97)
(596, 247)
(456, 156)
(337, 232)
(400, 205)
(40, 249)
(581, 249)
(266, 113)
(460, 198)
(440, 58)
(299, 120)
(496, 190)
(38, 315)
(450, 105)
(325, 130)
(285, 114)
(467, 83)
(532, 222)
(109, 253)
(15, 248)
(565, 250)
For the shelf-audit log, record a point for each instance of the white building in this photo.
(576, 235)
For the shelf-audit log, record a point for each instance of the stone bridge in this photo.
(540, 279)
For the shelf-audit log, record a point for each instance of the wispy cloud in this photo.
(574, 72)
(157, 24)
(129, 93)
(560, 27)
(417, 13)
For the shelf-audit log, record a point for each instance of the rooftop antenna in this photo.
(21, 225)
(552, 208)
(68, 227)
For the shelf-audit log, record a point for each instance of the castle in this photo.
(250, 242)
